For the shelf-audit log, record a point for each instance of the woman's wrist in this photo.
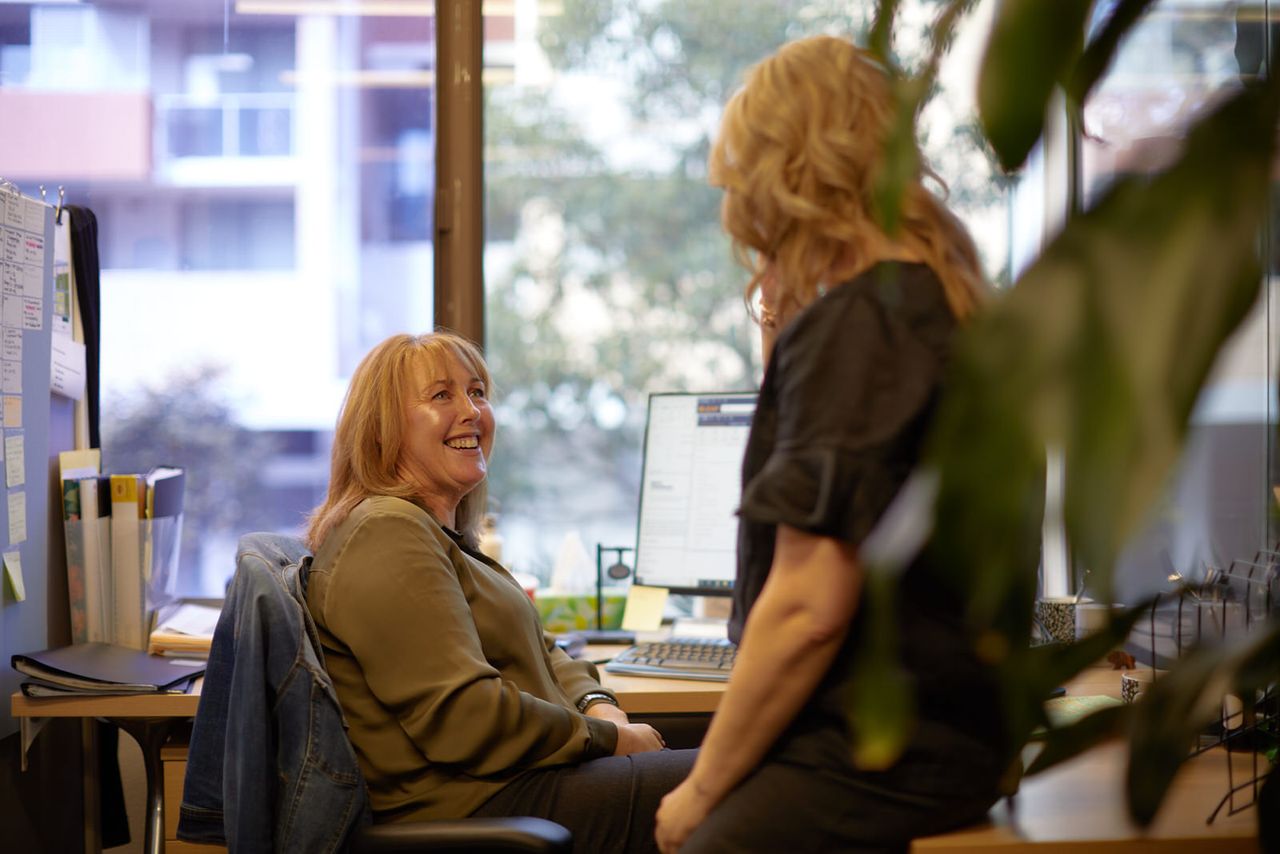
(607, 711)
(594, 698)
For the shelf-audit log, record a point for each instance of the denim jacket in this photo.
(270, 767)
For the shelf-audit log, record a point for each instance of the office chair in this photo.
(266, 655)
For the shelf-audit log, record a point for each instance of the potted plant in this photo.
(1099, 349)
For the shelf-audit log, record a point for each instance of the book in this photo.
(104, 668)
(128, 594)
(95, 543)
(77, 582)
(166, 486)
(72, 466)
(162, 533)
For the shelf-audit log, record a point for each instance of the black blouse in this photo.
(843, 411)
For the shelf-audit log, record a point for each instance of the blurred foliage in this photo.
(185, 421)
(1100, 349)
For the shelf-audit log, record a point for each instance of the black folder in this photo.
(104, 668)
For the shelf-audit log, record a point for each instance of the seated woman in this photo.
(458, 703)
(863, 323)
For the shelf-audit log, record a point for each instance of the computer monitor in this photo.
(690, 486)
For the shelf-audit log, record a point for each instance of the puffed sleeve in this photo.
(852, 382)
(397, 599)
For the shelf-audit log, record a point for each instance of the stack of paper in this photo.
(186, 632)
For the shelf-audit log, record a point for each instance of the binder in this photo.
(128, 492)
(103, 668)
(95, 524)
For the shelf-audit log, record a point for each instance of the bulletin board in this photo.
(26, 302)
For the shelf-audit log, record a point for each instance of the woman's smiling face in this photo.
(448, 434)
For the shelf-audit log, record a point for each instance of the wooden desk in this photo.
(1080, 805)
(152, 718)
(1077, 806)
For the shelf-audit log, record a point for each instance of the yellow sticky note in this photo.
(12, 410)
(13, 571)
(644, 608)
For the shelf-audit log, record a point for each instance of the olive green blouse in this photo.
(447, 680)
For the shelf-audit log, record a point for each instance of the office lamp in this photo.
(617, 571)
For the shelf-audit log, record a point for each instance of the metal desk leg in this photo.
(92, 790)
(151, 734)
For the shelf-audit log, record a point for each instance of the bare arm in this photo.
(791, 637)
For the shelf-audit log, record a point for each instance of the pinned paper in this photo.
(15, 460)
(644, 608)
(17, 517)
(11, 344)
(13, 571)
(67, 367)
(11, 377)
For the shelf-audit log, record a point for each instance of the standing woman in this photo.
(857, 327)
(458, 703)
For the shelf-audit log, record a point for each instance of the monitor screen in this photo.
(689, 490)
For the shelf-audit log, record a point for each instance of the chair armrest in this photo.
(524, 834)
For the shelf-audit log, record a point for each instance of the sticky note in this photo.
(645, 605)
(17, 517)
(13, 571)
(12, 410)
(15, 460)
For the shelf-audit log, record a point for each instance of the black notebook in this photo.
(103, 668)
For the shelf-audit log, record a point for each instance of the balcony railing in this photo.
(224, 126)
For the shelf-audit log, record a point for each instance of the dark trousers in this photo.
(607, 804)
(794, 808)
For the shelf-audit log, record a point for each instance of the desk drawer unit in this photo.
(174, 758)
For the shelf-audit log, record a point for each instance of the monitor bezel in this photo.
(644, 465)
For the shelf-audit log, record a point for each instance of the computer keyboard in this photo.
(678, 658)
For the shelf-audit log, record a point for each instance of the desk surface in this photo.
(641, 695)
(1083, 801)
(1079, 801)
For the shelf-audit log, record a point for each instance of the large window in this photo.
(262, 173)
(607, 275)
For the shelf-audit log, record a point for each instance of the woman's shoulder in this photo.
(907, 290)
(908, 297)
(391, 507)
(381, 522)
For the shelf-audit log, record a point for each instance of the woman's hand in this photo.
(679, 815)
(637, 738)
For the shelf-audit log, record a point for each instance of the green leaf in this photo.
(1171, 713)
(880, 38)
(1161, 270)
(1071, 741)
(1033, 45)
(1097, 55)
(880, 704)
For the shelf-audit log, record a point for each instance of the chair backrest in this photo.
(270, 765)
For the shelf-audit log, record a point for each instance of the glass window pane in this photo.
(263, 185)
(607, 274)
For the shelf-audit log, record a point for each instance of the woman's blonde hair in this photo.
(370, 431)
(800, 153)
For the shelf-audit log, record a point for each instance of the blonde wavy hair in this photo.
(370, 431)
(800, 152)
